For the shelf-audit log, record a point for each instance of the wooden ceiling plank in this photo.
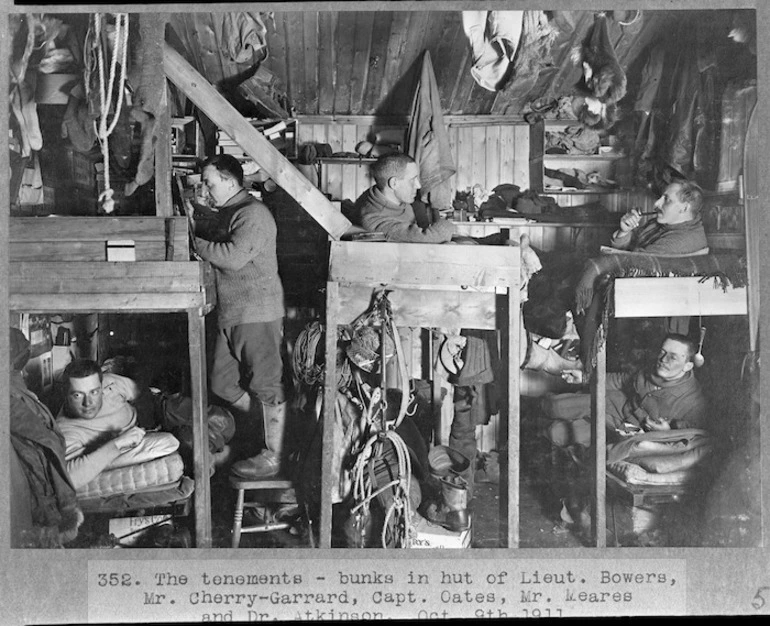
(327, 61)
(344, 37)
(362, 49)
(276, 50)
(396, 44)
(222, 113)
(310, 42)
(295, 62)
(378, 57)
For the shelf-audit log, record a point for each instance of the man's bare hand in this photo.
(630, 220)
(129, 439)
(573, 377)
(651, 424)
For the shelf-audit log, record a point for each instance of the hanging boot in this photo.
(268, 463)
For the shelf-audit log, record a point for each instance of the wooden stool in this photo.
(273, 490)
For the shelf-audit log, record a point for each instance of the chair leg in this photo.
(238, 519)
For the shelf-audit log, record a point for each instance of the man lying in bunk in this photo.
(668, 397)
(98, 421)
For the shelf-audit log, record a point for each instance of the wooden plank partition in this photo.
(430, 286)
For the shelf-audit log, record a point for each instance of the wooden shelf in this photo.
(614, 156)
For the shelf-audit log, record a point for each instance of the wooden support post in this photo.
(511, 333)
(600, 437)
(277, 166)
(164, 205)
(329, 403)
(201, 459)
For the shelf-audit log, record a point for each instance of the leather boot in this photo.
(548, 360)
(268, 463)
(452, 511)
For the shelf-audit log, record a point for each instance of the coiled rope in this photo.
(106, 91)
(399, 513)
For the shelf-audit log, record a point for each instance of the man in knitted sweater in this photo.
(250, 308)
(387, 206)
(668, 397)
(676, 229)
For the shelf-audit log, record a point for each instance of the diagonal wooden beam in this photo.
(277, 166)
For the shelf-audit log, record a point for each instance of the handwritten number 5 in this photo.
(759, 601)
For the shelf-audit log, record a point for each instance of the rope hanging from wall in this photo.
(100, 43)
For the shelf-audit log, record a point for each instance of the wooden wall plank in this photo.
(519, 170)
(254, 144)
(477, 155)
(492, 157)
(106, 302)
(671, 296)
(295, 59)
(428, 264)
(348, 173)
(80, 251)
(105, 277)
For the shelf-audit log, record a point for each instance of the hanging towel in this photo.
(427, 141)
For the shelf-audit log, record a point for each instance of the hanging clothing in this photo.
(427, 141)
(494, 37)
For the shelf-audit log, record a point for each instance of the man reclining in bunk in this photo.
(105, 451)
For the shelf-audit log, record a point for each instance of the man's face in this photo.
(220, 188)
(673, 360)
(670, 209)
(405, 188)
(84, 397)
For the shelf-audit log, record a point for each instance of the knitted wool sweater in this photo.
(654, 238)
(243, 254)
(397, 221)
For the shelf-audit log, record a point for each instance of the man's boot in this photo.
(548, 360)
(268, 463)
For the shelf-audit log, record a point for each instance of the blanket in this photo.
(728, 269)
(659, 457)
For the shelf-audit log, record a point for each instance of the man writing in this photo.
(669, 397)
(250, 309)
(387, 206)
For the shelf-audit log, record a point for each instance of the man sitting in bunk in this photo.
(98, 421)
(677, 227)
(668, 397)
(389, 206)
(676, 230)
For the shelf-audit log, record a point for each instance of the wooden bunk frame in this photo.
(650, 297)
(91, 284)
(432, 286)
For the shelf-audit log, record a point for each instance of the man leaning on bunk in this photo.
(98, 421)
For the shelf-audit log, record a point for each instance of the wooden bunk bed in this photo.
(59, 265)
(432, 286)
